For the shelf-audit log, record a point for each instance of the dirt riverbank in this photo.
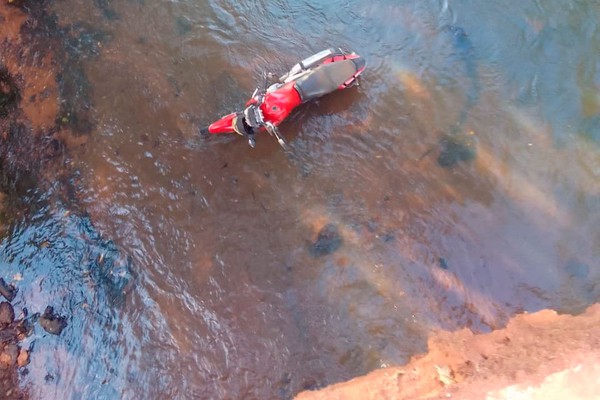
(542, 355)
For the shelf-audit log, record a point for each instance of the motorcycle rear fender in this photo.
(360, 65)
(359, 62)
(224, 125)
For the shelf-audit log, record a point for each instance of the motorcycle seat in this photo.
(326, 78)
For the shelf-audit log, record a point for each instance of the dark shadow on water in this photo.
(328, 241)
(72, 44)
(590, 128)
(9, 93)
(455, 149)
(465, 53)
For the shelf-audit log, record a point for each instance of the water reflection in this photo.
(57, 258)
(211, 241)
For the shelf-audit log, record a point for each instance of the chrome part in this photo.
(272, 129)
(254, 116)
(274, 87)
(317, 58)
(296, 76)
(297, 68)
(310, 62)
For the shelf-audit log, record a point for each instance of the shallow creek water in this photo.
(463, 176)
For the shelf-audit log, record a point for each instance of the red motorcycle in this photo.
(315, 76)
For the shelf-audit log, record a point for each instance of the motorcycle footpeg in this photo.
(251, 141)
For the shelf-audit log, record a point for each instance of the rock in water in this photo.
(9, 94)
(7, 314)
(443, 263)
(328, 241)
(8, 291)
(8, 356)
(51, 322)
(23, 358)
(455, 149)
(8, 335)
(577, 269)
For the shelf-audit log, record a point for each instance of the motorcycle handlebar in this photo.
(259, 96)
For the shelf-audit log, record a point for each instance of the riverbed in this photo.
(462, 176)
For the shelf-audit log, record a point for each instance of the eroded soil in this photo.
(542, 355)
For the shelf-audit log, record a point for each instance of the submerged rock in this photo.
(577, 269)
(454, 149)
(9, 94)
(9, 355)
(7, 314)
(7, 290)
(328, 241)
(8, 334)
(23, 358)
(443, 264)
(51, 322)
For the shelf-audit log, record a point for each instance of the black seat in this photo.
(326, 78)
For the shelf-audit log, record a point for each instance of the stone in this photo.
(577, 269)
(8, 291)
(23, 358)
(328, 241)
(51, 322)
(7, 314)
(8, 334)
(455, 149)
(443, 264)
(8, 357)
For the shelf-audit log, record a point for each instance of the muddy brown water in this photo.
(463, 176)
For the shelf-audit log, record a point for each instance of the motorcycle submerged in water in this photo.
(320, 74)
